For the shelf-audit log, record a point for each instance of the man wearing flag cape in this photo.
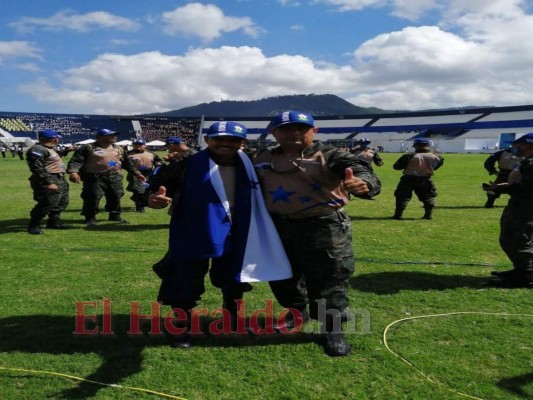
(219, 215)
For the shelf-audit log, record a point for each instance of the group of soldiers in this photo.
(305, 185)
(98, 166)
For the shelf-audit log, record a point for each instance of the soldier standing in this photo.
(364, 152)
(144, 161)
(516, 235)
(306, 185)
(507, 162)
(98, 166)
(50, 188)
(418, 168)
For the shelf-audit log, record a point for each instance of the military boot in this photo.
(490, 202)
(55, 223)
(115, 217)
(398, 213)
(34, 227)
(334, 340)
(428, 213)
(182, 340)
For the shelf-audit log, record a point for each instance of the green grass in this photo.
(404, 269)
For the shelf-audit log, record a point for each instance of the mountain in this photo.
(316, 105)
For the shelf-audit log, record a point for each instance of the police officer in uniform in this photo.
(144, 161)
(507, 162)
(418, 168)
(98, 166)
(306, 185)
(364, 152)
(516, 235)
(50, 188)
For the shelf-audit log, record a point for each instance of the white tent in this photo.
(86, 141)
(156, 143)
(124, 143)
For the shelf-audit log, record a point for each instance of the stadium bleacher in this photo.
(458, 130)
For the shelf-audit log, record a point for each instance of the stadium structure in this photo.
(471, 130)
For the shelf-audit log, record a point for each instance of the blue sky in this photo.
(138, 56)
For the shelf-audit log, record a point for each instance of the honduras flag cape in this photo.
(203, 226)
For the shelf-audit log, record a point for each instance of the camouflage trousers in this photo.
(422, 186)
(96, 186)
(516, 234)
(49, 202)
(321, 255)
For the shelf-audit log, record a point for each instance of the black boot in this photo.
(55, 223)
(398, 213)
(182, 340)
(490, 202)
(334, 341)
(34, 227)
(115, 217)
(428, 213)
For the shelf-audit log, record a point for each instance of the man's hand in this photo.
(354, 185)
(74, 178)
(140, 178)
(159, 199)
(52, 186)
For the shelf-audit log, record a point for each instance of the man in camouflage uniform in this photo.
(306, 185)
(364, 152)
(418, 168)
(144, 161)
(170, 174)
(516, 223)
(507, 162)
(98, 166)
(50, 188)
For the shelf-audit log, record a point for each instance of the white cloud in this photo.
(68, 20)
(206, 21)
(18, 49)
(352, 5)
(119, 84)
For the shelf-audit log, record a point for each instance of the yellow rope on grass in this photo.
(433, 316)
(77, 378)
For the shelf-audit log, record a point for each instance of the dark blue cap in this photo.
(173, 140)
(49, 134)
(139, 141)
(105, 132)
(424, 142)
(527, 138)
(291, 117)
(227, 128)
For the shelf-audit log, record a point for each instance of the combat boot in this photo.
(35, 230)
(55, 223)
(34, 227)
(182, 340)
(398, 213)
(428, 213)
(90, 221)
(115, 217)
(490, 202)
(334, 340)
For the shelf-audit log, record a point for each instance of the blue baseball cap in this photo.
(173, 140)
(527, 138)
(105, 132)
(49, 134)
(139, 141)
(227, 128)
(291, 117)
(424, 142)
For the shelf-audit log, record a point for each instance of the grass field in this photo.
(478, 343)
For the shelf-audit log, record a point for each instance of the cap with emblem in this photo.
(227, 128)
(291, 117)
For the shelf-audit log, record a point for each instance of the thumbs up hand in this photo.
(354, 185)
(159, 199)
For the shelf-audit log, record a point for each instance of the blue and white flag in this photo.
(203, 226)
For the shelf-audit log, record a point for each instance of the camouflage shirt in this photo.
(311, 184)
